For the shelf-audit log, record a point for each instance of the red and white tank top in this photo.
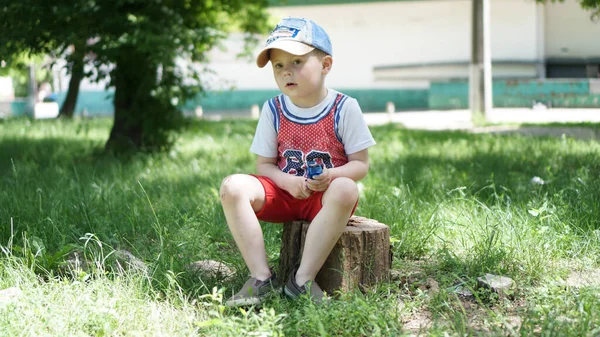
(301, 139)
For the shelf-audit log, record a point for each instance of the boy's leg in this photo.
(241, 196)
(325, 229)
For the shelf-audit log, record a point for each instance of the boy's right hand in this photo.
(299, 189)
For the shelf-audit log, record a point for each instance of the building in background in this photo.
(415, 54)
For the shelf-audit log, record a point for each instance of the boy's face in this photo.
(300, 77)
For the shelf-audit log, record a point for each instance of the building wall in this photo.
(368, 35)
(571, 32)
(371, 35)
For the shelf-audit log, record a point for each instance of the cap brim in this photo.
(290, 46)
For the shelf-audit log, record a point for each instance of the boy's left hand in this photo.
(321, 182)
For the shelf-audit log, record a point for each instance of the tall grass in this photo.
(459, 205)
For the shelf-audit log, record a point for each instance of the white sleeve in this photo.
(265, 137)
(353, 129)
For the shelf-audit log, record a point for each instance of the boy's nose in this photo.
(287, 71)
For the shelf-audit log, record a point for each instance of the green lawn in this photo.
(459, 205)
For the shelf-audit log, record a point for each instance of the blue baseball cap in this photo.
(297, 36)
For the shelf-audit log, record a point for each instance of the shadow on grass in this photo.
(45, 153)
(56, 191)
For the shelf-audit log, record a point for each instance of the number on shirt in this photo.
(324, 156)
(294, 161)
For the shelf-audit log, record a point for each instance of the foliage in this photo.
(18, 70)
(148, 50)
(591, 5)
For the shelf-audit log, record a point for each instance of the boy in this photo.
(306, 122)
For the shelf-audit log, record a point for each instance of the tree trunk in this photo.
(361, 257)
(143, 119)
(68, 108)
(126, 133)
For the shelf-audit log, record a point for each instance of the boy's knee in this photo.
(232, 187)
(345, 191)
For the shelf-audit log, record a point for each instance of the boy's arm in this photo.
(356, 168)
(293, 184)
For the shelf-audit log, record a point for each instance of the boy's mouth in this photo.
(290, 84)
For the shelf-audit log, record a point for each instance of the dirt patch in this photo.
(585, 278)
(418, 323)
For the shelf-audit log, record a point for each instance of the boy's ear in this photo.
(327, 63)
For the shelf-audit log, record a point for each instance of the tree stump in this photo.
(360, 258)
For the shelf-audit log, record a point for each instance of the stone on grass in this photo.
(211, 269)
(395, 275)
(501, 285)
(433, 286)
(126, 261)
(9, 295)
(75, 261)
(120, 260)
(462, 291)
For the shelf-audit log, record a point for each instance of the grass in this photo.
(589, 125)
(458, 205)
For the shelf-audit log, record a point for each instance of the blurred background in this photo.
(414, 54)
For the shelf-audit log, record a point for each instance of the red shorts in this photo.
(280, 206)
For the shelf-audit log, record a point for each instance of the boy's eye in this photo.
(297, 61)
(278, 66)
